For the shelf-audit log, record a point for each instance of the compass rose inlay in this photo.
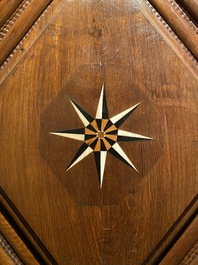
(101, 135)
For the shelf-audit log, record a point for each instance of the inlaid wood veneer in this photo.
(143, 51)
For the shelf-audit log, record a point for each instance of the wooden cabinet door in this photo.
(98, 131)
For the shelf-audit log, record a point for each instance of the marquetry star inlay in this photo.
(101, 135)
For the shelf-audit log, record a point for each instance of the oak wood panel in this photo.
(87, 192)
(7, 8)
(191, 7)
(183, 245)
(53, 8)
(106, 34)
(78, 228)
(186, 31)
(21, 26)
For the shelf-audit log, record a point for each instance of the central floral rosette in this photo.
(101, 134)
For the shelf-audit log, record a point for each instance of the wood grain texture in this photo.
(7, 8)
(191, 7)
(82, 186)
(185, 29)
(168, 35)
(21, 26)
(34, 33)
(105, 35)
(183, 245)
(64, 214)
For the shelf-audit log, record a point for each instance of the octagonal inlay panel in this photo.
(109, 180)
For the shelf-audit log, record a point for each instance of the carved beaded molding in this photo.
(183, 14)
(6, 27)
(25, 3)
(169, 29)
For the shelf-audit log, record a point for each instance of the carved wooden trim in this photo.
(5, 257)
(7, 254)
(192, 257)
(34, 32)
(191, 7)
(15, 229)
(169, 35)
(8, 9)
(13, 246)
(13, 18)
(163, 247)
(179, 22)
(21, 26)
(19, 48)
(183, 245)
